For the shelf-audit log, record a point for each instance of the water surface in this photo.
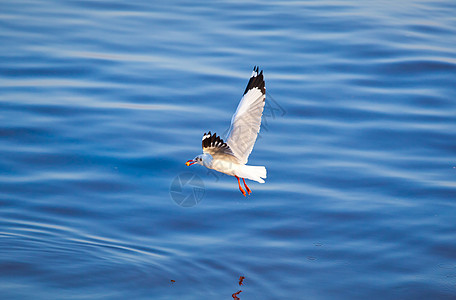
(103, 102)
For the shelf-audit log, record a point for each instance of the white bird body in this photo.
(232, 168)
(231, 157)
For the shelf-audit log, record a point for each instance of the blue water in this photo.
(103, 102)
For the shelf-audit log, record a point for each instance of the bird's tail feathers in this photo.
(256, 173)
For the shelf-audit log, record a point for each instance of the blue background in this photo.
(102, 102)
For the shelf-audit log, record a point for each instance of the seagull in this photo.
(230, 157)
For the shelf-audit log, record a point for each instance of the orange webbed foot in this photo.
(240, 188)
(246, 187)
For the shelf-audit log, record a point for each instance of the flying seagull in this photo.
(230, 157)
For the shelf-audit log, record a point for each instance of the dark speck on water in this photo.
(103, 102)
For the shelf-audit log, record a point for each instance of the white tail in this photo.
(253, 173)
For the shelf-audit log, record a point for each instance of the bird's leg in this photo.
(246, 187)
(240, 188)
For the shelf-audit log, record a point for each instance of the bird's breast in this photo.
(224, 166)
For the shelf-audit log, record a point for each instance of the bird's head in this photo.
(201, 159)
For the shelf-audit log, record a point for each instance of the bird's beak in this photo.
(190, 162)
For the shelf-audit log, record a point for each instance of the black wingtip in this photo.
(213, 141)
(256, 81)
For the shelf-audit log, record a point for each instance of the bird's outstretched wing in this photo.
(246, 121)
(217, 148)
